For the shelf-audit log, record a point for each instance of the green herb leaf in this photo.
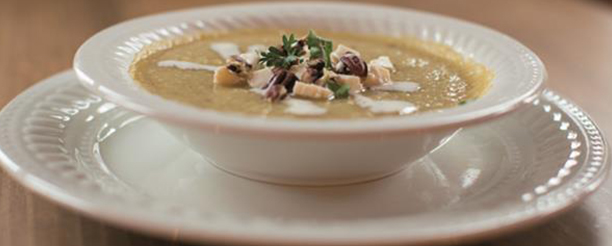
(284, 58)
(343, 91)
(464, 101)
(275, 51)
(319, 47)
(315, 52)
(340, 90)
(328, 48)
(312, 40)
(289, 53)
(288, 44)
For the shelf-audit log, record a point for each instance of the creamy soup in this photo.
(364, 76)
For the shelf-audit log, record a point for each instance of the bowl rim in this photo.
(97, 80)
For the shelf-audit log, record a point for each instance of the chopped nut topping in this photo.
(283, 78)
(309, 64)
(314, 71)
(276, 92)
(351, 63)
(238, 66)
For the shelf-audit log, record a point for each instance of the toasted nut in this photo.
(340, 51)
(377, 76)
(238, 66)
(353, 64)
(327, 75)
(317, 64)
(354, 82)
(313, 71)
(283, 78)
(226, 77)
(311, 91)
(276, 92)
(299, 70)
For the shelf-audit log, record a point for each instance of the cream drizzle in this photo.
(384, 106)
(186, 65)
(383, 61)
(256, 48)
(398, 86)
(225, 49)
(303, 107)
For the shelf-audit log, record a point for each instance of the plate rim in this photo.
(155, 227)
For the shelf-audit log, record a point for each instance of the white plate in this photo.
(83, 152)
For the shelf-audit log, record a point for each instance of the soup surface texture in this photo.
(445, 78)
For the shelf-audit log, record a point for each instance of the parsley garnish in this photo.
(340, 90)
(288, 54)
(465, 101)
(319, 47)
(282, 58)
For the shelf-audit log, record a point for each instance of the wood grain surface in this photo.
(574, 38)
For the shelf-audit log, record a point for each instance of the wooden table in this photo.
(574, 38)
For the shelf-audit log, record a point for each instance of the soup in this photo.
(303, 74)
